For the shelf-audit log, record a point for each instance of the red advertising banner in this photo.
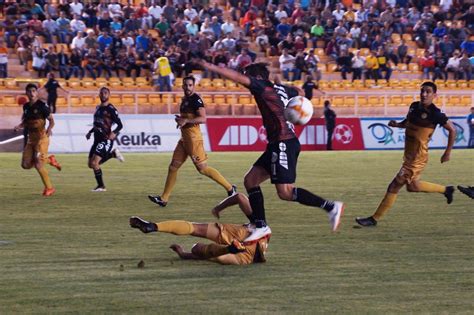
(248, 134)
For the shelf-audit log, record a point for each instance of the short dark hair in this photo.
(430, 84)
(257, 69)
(189, 77)
(30, 86)
(326, 103)
(104, 88)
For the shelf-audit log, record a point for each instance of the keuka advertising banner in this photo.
(248, 134)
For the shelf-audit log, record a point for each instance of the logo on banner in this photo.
(459, 133)
(343, 133)
(243, 135)
(382, 133)
(141, 139)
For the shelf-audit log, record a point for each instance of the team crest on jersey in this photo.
(424, 116)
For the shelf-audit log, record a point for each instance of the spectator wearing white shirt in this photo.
(155, 11)
(280, 12)
(190, 12)
(287, 65)
(206, 28)
(338, 13)
(358, 63)
(128, 41)
(3, 60)
(76, 7)
(229, 42)
(115, 9)
(50, 26)
(453, 66)
(78, 41)
(228, 26)
(361, 15)
(77, 25)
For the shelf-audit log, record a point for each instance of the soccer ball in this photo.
(299, 110)
(343, 133)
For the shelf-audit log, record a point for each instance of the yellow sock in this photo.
(43, 172)
(213, 250)
(175, 227)
(385, 205)
(170, 181)
(214, 174)
(430, 187)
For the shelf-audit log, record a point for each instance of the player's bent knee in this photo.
(285, 195)
(412, 188)
(26, 165)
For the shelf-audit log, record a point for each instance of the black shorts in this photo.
(101, 148)
(280, 159)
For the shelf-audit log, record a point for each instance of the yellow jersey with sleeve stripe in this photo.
(34, 119)
(189, 109)
(421, 124)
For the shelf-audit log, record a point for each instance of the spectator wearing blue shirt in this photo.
(142, 41)
(283, 28)
(104, 41)
(470, 123)
(440, 30)
(116, 25)
(64, 29)
(468, 45)
(216, 27)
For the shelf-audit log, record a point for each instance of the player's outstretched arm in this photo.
(451, 138)
(225, 72)
(402, 124)
(50, 119)
(239, 199)
(178, 249)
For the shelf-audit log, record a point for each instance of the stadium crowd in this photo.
(157, 38)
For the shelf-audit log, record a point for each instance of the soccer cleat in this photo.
(258, 233)
(468, 191)
(53, 162)
(157, 199)
(236, 247)
(449, 194)
(99, 189)
(118, 155)
(335, 215)
(232, 191)
(142, 225)
(368, 222)
(48, 191)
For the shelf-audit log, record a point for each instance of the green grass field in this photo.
(63, 254)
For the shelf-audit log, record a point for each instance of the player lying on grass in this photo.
(227, 248)
(420, 124)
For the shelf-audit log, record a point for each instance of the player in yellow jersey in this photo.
(228, 245)
(192, 114)
(35, 152)
(420, 123)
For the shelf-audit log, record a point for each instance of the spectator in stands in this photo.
(155, 10)
(453, 66)
(468, 45)
(300, 65)
(308, 87)
(104, 41)
(141, 11)
(93, 64)
(427, 64)
(317, 32)
(440, 30)
(465, 67)
(75, 64)
(344, 64)
(25, 45)
(3, 60)
(355, 35)
(10, 30)
(228, 26)
(103, 23)
(128, 41)
(50, 28)
(384, 64)
(262, 41)
(358, 64)
(447, 46)
(190, 13)
(78, 41)
(115, 10)
(338, 13)
(440, 66)
(76, 8)
(108, 62)
(372, 67)
(287, 65)
(143, 42)
(51, 10)
(281, 12)
(169, 11)
(77, 25)
(52, 62)
(39, 62)
(233, 63)
(132, 58)
(283, 29)
(402, 53)
(229, 42)
(64, 28)
(243, 59)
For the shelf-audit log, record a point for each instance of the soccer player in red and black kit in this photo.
(278, 162)
(102, 150)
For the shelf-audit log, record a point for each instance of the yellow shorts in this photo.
(194, 149)
(409, 173)
(35, 150)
